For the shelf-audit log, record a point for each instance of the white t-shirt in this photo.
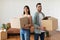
(40, 18)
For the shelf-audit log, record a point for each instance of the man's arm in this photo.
(43, 14)
(35, 21)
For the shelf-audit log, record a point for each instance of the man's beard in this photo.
(39, 10)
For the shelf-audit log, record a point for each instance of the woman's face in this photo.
(26, 10)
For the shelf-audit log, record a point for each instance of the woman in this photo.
(25, 33)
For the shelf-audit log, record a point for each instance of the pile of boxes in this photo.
(15, 23)
(3, 35)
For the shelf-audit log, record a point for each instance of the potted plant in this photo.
(4, 26)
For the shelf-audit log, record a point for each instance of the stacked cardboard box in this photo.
(3, 35)
(15, 23)
(50, 24)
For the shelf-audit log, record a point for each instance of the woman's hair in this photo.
(28, 10)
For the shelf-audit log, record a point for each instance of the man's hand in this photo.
(41, 28)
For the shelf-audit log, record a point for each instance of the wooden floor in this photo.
(54, 36)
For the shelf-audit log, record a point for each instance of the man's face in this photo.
(39, 8)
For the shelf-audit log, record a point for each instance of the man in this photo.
(38, 28)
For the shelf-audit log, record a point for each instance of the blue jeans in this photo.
(36, 36)
(25, 34)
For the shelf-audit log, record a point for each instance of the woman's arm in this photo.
(30, 21)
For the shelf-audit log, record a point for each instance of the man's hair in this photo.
(38, 4)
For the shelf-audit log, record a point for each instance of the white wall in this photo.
(14, 8)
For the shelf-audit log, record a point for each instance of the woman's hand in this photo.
(30, 24)
(26, 26)
(32, 27)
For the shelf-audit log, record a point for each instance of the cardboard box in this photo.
(53, 36)
(19, 22)
(15, 23)
(23, 21)
(3, 35)
(50, 24)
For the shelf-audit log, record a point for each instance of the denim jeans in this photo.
(36, 36)
(25, 34)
